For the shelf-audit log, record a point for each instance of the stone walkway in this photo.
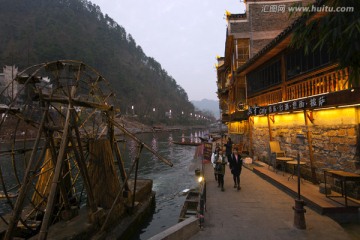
(259, 211)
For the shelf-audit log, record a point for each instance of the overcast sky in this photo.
(184, 36)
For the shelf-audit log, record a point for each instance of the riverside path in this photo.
(258, 211)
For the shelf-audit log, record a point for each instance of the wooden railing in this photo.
(266, 98)
(330, 82)
(333, 81)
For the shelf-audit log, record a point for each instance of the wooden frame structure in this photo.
(60, 124)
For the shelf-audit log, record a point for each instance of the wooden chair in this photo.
(275, 151)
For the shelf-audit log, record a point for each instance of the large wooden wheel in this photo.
(55, 109)
(57, 148)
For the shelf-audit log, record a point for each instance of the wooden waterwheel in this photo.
(57, 148)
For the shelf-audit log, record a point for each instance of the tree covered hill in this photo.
(38, 31)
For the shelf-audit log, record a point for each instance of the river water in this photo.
(168, 182)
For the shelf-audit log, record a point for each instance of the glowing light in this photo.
(200, 179)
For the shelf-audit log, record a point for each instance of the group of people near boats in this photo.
(231, 158)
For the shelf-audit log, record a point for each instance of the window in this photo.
(264, 77)
(297, 62)
(242, 51)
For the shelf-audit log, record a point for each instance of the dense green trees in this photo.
(37, 31)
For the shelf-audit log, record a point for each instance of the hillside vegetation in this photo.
(38, 31)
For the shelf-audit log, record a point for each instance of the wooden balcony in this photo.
(302, 87)
(327, 83)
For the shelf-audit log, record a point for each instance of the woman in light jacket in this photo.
(214, 158)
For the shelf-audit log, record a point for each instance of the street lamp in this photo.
(132, 107)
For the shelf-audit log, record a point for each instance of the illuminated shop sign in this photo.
(295, 105)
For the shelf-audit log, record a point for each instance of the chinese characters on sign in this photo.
(273, 8)
(300, 104)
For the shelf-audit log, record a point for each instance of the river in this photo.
(168, 182)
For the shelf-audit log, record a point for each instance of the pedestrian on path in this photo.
(228, 148)
(220, 170)
(214, 158)
(236, 167)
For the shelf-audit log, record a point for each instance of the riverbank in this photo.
(133, 125)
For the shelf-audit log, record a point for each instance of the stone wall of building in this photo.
(335, 146)
(335, 136)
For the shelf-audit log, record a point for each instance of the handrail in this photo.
(336, 80)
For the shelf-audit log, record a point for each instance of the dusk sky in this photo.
(184, 36)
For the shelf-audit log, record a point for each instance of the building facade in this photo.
(305, 102)
(7, 84)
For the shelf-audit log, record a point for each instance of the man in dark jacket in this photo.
(228, 149)
(236, 167)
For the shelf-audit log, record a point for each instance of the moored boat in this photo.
(190, 207)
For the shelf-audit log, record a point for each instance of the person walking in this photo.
(220, 170)
(236, 167)
(228, 148)
(214, 158)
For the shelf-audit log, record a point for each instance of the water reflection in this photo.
(168, 182)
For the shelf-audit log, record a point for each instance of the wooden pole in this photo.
(269, 126)
(54, 185)
(311, 153)
(83, 168)
(26, 182)
(251, 135)
(61, 183)
(120, 164)
(124, 130)
(42, 186)
(79, 157)
(136, 172)
(116, 149)
(103, 227)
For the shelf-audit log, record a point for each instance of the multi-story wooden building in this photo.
(246, 35)
(304, 102)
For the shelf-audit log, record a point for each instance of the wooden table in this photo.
(294, 163)
(343, 177)
(282, 160)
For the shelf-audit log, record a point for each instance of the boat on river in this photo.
(190, 207)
